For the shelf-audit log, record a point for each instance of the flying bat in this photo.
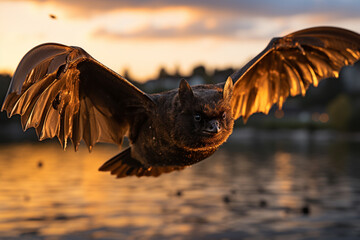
(63, 92)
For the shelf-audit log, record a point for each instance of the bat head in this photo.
(205, 117)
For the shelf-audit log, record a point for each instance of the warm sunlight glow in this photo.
(284, 176)
(142, 37)
(135, 21)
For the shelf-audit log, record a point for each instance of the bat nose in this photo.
(213, 126)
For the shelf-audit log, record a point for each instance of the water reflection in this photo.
(253, 188)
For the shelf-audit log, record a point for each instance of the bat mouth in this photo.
(205, 140)
(210, 133)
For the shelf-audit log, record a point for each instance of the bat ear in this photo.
(228, 88)
(186, 94)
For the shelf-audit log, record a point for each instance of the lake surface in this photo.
(260, 185)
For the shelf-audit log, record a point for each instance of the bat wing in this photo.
(62, 91)
(288, 65)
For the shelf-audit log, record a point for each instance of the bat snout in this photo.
(213, 126)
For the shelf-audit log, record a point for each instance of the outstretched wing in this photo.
(62, 91)
(288, 65)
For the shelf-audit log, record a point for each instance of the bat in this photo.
(63, 92)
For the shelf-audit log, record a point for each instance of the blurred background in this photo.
(292, 174)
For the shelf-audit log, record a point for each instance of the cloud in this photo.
(213, 18)
(337, 8)
(216, 32)
(204, 28)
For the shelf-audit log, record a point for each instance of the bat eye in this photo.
(224, 115)
(197, 117)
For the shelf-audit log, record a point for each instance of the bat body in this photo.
(185, 127)
(63, 92)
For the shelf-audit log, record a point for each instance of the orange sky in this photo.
(143, 36)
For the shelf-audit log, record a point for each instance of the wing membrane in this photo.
(62, 91)
(288, 65)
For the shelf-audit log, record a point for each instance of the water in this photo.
(260, 185)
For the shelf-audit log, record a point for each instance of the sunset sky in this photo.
(144, 35)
